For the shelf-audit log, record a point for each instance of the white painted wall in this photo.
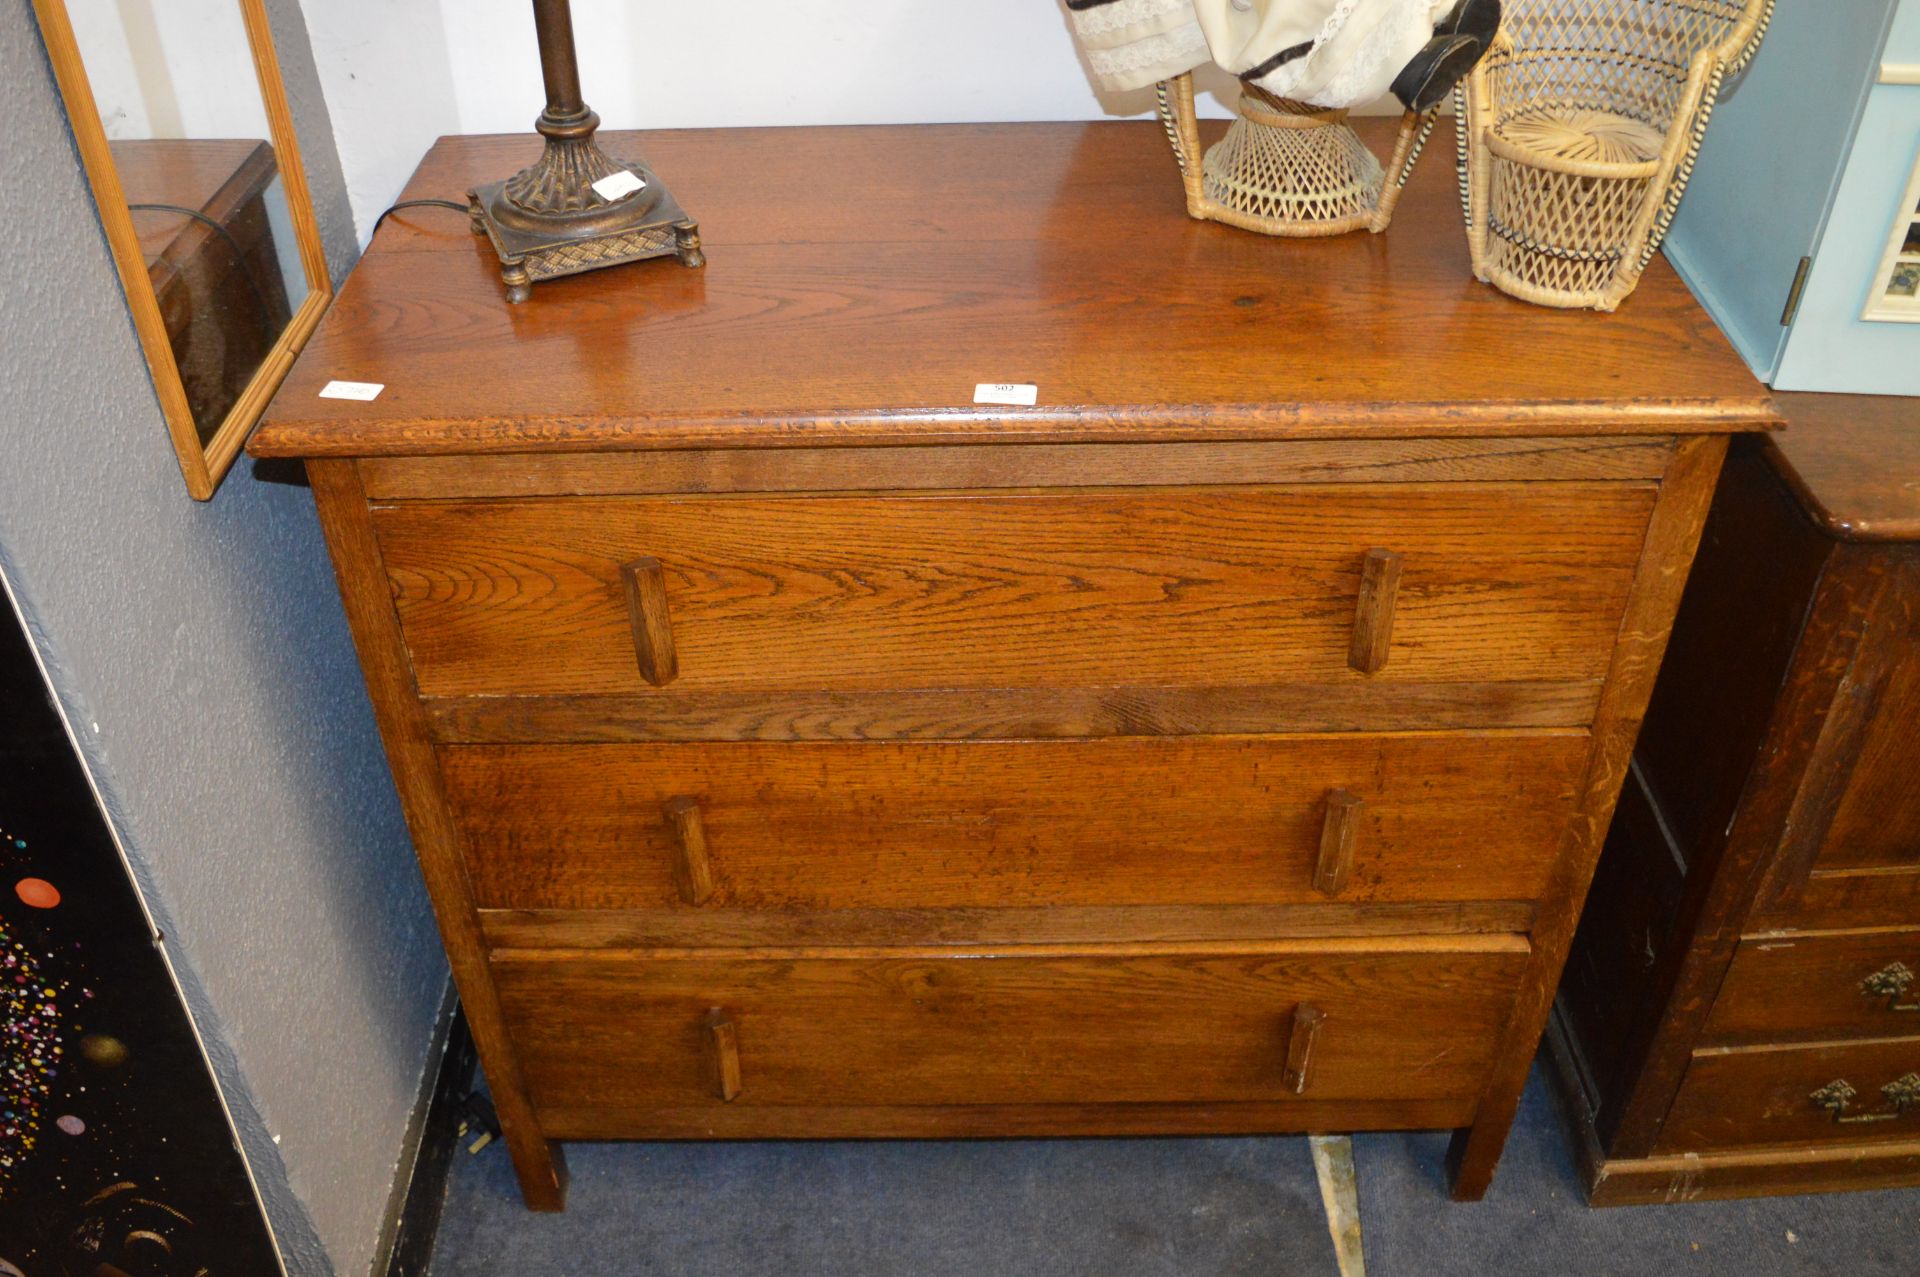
(389, 88)
(399, 73)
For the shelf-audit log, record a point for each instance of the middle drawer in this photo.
(1155, 820)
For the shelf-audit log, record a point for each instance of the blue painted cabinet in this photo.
(1801, 230)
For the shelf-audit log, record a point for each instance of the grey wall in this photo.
(201, 652)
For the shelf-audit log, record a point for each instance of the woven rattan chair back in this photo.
(1580, 132)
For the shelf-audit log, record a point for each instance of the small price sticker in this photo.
(362, 390)
(617, 185)
(1011, 393)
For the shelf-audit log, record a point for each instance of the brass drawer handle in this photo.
(1890, 982)
(646, 586)
(1373, 615)
(1301, 1035)
(725, 1041)
(1903, 1093)
(1339, 830)
(692, 867)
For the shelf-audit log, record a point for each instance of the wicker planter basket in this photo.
(1286, 168)
(1580, 131)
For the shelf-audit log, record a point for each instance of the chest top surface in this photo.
(862, 281)
(1854, 461)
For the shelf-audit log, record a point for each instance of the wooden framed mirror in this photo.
(181, 120)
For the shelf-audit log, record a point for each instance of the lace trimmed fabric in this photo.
(1332, 53)
(1147, 62)
(1144, 16)
(1131, 44)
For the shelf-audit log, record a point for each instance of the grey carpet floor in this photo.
(1128, 1208)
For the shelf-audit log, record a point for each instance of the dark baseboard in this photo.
(420, 1189)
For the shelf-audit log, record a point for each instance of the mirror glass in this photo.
(186, 123)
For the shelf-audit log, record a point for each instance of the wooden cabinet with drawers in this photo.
(794, 748)
(1751, 1024)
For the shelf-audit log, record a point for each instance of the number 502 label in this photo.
(1006, 392)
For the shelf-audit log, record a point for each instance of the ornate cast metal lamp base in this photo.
(538, 240)
(547, 220)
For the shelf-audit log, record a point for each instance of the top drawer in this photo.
(1191, 587)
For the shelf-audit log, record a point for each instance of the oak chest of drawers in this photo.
(1741, 1013)
(794, 748)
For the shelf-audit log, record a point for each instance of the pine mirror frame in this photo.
(203, 465)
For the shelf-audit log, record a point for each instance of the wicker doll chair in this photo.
(1287, 168)
(1581, 127)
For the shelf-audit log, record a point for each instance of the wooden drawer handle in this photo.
(725, 1040)
(1890, 982)
(646, 585)
(1903, 1093)
(1300, 1039)
(1339, 830)
(692, 868)
(1373, 616)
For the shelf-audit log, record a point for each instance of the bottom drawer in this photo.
(605, 1040)
(1829, 1092)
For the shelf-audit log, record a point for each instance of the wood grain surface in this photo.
(1181, 820)
(1791, 986)
(999, 924)
(619, 1119)
(1772, 1172)
(1672, 539)
(1847, 898)
(1877, 822)
(1014, 713)
(1854, 460)
(1412, 1020)
(1741, 1097)
(845, 302)
(1018, 466)
(1173, 587)
(1851, 675)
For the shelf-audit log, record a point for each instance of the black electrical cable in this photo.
(459, 208)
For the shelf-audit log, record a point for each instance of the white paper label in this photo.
(352, 390)
(1006, 392)
(615, 185)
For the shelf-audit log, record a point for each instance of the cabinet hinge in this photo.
(1796, 292)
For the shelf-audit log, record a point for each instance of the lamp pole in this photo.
(553, 27)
